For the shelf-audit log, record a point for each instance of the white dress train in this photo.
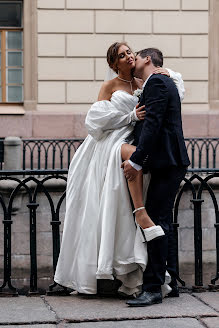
(99, 237)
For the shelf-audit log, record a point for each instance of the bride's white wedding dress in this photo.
(100, 240)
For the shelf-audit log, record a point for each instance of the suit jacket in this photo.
(159, 138)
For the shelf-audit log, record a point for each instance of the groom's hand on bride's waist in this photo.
(129, 171)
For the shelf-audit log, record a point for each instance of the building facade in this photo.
(50, 79)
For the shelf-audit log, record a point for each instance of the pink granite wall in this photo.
(68, 125)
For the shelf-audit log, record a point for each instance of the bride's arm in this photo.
(103, 116)
(176, 77)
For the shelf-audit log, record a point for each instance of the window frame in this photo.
(4, 67)
(22, 20)
(30, 62)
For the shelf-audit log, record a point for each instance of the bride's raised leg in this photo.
(136, 190)
(148, 228)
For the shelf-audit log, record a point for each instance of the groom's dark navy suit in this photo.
(160, 150)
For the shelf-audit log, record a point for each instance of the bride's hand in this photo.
(161, 70)
(140, 113)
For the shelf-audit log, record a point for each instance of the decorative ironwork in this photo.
(57, 153)
(197, 203)
(49, 153)
(7, 288)
(203, 152)
(23, 183)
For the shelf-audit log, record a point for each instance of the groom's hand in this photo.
(129, 171)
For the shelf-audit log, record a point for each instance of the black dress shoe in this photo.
(174, 292)
(145, 299)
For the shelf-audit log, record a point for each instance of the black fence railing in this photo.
(48, 153)
(24, 183)
(7, 287)
(203, 152)
(57, 153)
(44, 154)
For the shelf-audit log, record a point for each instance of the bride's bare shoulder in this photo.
(106, 90)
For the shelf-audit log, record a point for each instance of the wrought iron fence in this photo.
(48, 153)
(57, 153)
(197, 210)
(7, 287)
(203, 152)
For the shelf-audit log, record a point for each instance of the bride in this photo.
(100, 240)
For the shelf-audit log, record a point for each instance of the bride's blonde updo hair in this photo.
(112, 55)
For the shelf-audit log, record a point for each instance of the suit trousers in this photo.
(162, 191)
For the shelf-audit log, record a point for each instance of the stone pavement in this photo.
(195, 310)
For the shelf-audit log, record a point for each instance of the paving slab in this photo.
(211, 299)
(24, 309)
(43, 325)
(148, 323)
(77, 308)
(211, 322)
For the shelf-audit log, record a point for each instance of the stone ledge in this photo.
(46, 123)
(51, 185)
(60, 185)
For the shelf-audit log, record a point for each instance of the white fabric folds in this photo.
(99, 238)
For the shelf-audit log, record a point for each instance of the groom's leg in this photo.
(161, 194)
(172, 256)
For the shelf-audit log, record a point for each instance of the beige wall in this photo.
(73, 37)
(65, 43)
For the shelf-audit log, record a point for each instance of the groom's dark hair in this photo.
(155, 54)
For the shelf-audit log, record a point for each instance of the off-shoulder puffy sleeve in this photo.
(104, 116)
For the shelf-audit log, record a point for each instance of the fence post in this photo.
(12, 153)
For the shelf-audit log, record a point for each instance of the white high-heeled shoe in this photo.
(151, 233)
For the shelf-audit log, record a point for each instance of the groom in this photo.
(161, 151)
